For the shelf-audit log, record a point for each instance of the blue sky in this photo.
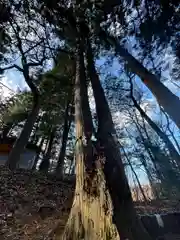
(14, 80)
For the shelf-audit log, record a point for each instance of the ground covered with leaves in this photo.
(32, 204)
(35, 206)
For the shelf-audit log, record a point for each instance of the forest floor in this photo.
(34, 206)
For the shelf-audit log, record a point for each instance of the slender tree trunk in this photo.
(174, 139)
(165, 169)
(170, 175)
(67, 125)
(125, 218)
(138, 182)
(90, 217)
(164, 96)
(169, 129)
(135, 190)
(46, 146)
(73, 170)
(38, 154)
(149, 175)
(134, 172)
(71, 166)
(172, 150)
(169, 167)
(34, 138)
(159, 174)
(44, 166)
(22, 140)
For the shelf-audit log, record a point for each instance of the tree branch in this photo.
(10, 67)
(35, 64)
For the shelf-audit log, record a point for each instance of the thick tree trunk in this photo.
(91, 213)
(44, 166)
(164, 96)
(125, 218)
(22, 140)
(67, 125)
(172, 150)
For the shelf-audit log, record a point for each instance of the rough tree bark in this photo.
(125, 218)
(164, 96)
(91, 213)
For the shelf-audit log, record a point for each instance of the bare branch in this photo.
(35, 64)
(31, 48)
(10, 67)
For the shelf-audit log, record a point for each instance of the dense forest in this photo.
(99, 105)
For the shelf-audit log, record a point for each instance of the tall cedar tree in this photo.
(91, 213)
(124, 215)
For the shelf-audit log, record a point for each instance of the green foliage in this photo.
(55, 87)
(18, 109)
